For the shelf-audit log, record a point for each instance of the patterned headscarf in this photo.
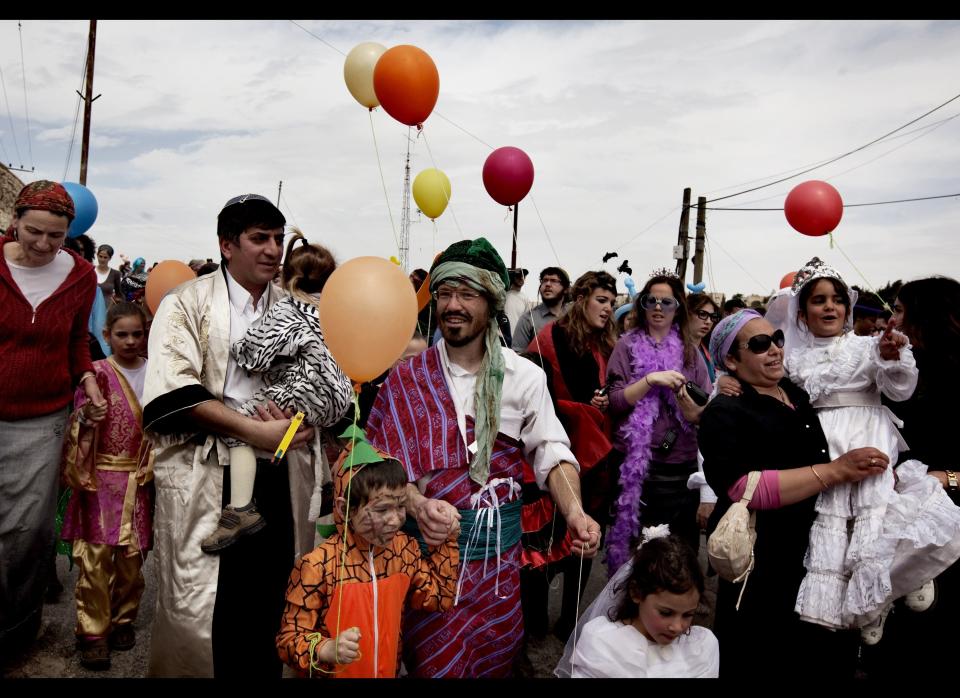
(478, 265)
(725, 333)
(44, 195)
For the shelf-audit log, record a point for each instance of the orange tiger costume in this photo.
(404, 577)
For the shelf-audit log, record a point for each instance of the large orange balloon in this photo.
(407, 84)
(787, 279)
(164, 277)
(368, 310)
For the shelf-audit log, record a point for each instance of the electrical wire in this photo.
(13, 131)
(76, 113)
(26, 109)
(318, 38)
(872, 203)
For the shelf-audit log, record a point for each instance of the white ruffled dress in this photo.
(872, 542)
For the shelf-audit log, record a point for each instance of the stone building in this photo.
(10, 186)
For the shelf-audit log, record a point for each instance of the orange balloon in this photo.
(407, 84)
(164, 277)
(787, 279)
(368, 310)
(423, 294)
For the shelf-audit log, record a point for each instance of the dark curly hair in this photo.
(661, 564)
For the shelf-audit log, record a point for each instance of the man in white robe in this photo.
(217, 615)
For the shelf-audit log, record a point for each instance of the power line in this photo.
(13, 131)
(26, 109)
(76, 114)
(872, 203)
(839, 157)
(318, 38)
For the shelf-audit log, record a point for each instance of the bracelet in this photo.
(819, 478)
(646, 378)
(88, 374)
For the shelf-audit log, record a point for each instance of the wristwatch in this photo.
(952, 484)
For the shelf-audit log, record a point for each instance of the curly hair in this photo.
(584, 338)
(661, 564)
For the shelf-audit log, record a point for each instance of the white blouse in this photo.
(615, 650)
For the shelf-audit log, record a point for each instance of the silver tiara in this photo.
(816, 268)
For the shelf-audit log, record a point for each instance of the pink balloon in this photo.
(508, 175)
(813, 208)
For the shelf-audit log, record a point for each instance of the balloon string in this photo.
(423, 133)
(865, 281)
(544, 226)
(376, 149)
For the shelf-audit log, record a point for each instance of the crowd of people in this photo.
(510, 443)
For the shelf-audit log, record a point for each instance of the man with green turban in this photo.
(467, 417)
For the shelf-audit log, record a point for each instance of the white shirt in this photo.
(615, 650)
(135, 377)
(514, 307)
(239, 386)
(526, 411)
(38, 283)
(102, 275)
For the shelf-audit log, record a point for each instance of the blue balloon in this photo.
(631, 288)
(697, 288)
(85, 204)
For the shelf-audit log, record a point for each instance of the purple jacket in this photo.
(685, 447)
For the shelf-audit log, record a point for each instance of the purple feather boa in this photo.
(645, 357)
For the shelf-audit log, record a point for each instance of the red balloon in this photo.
(407, 84)
(508, 175)
(813, 208)
(787, 279)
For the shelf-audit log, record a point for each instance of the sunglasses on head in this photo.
(704, 315)
(760, 343)
(666, 304)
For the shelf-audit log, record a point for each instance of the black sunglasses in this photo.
(704, 315)
(760, 343)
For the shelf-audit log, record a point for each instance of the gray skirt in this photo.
(30, 455)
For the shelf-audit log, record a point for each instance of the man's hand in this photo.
(585, 533)
(273, 427)
(703, 514)
(438, 520)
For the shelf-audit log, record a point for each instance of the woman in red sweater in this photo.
(45, 298)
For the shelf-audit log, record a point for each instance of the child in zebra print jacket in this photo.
(287, 346)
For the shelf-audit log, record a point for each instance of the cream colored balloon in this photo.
(358, 72)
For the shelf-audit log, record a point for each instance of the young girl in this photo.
(288, 347)
(641, 625)
(109, 518)
(905, 530)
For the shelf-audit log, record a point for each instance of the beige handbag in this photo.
(730, 546)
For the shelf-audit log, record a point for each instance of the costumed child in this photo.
(287, 346)
(345, 599)
(641, 624)
(109, 518)
(887, 536)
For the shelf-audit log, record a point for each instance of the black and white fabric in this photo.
(287, 347)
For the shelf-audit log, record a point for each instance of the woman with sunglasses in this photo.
(703, 316)
(871, 543)
(655, 440)
(772, 428)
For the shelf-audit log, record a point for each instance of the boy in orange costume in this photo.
(336, 621)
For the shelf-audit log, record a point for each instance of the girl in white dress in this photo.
(641, 624)
(885, 537)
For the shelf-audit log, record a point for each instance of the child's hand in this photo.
(890, 344)
(343, 649)
(728, 385)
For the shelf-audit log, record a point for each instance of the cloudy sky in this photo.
(617, 116)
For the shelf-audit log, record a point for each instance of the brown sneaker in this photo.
(123, 638)
(233, 524)
(94, 654)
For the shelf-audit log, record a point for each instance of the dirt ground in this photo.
(54, 654)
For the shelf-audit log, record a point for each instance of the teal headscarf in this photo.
(478, 265)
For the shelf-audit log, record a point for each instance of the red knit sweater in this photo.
(43, 354)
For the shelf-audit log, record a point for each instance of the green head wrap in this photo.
(477, 264)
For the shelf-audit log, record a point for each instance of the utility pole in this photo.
(88, 100)
(405, 214)
(513, 253)
(680, 250)
(279, 189)
(701, 238)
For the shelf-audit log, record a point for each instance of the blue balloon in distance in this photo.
(697, 288)
(85, 204)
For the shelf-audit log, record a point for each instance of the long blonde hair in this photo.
(582, 337)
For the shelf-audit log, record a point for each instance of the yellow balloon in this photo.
(431, 191)
(395, 260)
(358, 72)
(368, 310)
